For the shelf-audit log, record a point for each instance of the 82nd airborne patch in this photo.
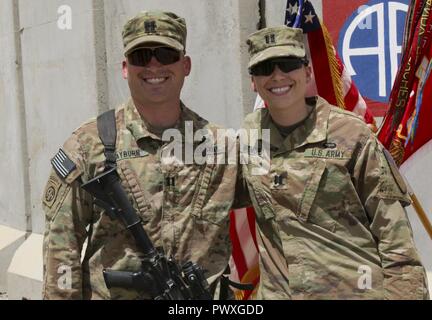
(51, 191)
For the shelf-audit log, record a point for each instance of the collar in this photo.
(142, 129)
(314, 129)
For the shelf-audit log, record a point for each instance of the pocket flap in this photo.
(311, 189)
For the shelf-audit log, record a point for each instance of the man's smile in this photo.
(154, 80)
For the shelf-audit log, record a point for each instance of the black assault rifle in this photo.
(160, 276)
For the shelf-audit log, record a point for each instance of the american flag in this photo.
(333, 83)
(244, 259)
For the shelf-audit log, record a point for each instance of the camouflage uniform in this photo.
(330, 216)
(188, 217)
(184, 209)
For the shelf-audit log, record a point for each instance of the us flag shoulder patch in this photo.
(62, 164)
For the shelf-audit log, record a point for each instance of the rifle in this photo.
(162, 277)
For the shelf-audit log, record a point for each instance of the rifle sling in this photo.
(106, 124)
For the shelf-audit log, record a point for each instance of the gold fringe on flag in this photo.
(249, 277)
(334, 68)
(397, 149)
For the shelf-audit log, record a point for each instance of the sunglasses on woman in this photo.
(165, 55)
(286, 65)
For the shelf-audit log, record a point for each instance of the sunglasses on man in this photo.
(142, 56)
(285, 64)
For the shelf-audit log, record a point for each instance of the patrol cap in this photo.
(157, 27)
(275, 42)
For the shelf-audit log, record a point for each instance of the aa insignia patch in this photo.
(51, 191)
(62, 164)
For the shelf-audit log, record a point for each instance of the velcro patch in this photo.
(130, 154)
(62, 164)
(51, 191)
(326, 153)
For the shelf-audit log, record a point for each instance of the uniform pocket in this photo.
(202, 196)
(137, 197)
(293, 185)
(310, 190)
(261, 196)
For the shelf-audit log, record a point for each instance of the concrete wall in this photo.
(25, 282)
(13, 166)
(59, 74)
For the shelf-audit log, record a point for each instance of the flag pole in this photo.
(421, 213)
(418, 208)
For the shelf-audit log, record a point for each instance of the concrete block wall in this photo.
(23, 278)
(10, 241)
(13, 171)
(15, 217)
(59, 80)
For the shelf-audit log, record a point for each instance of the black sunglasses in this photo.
(286, 65)
(165, 55)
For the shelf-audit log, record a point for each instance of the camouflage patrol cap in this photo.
(275, 42)
(154, 26)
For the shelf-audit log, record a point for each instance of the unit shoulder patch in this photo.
(51, 191)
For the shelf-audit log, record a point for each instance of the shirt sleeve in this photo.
(67, 214)
(383, 193)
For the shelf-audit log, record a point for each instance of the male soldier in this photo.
(183, 207)
(330, 210)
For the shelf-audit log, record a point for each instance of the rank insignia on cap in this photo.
(150, 26)
(62, 164)
(270, 38)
